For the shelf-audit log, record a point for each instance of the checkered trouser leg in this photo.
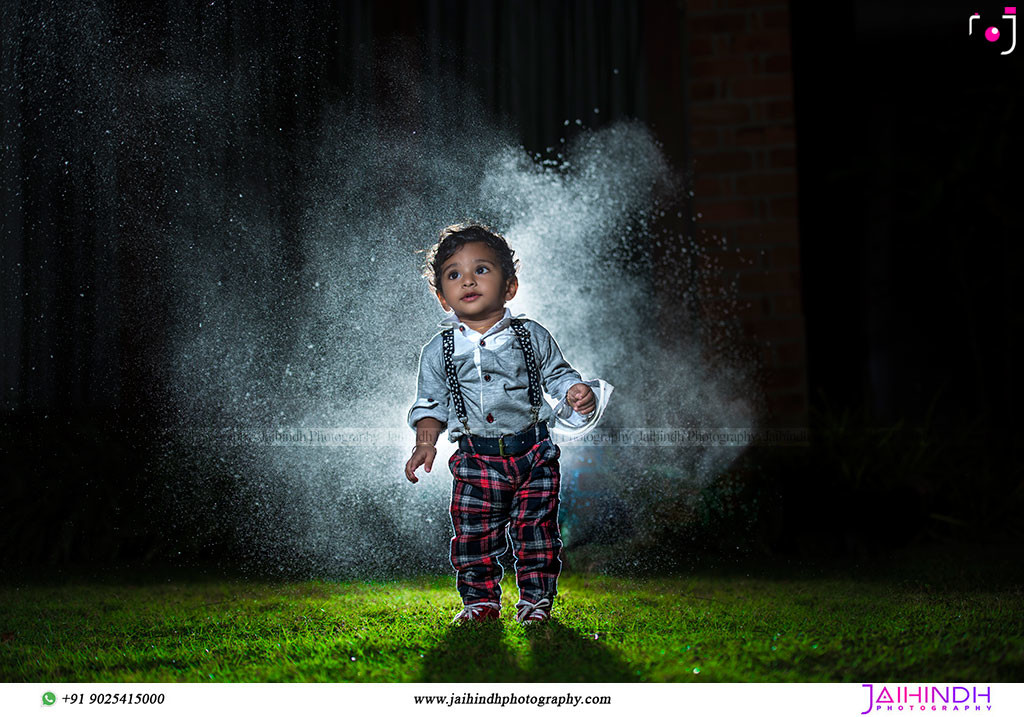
(490, 495)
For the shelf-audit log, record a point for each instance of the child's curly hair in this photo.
(456, 236)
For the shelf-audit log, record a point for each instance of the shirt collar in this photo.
(452, 320)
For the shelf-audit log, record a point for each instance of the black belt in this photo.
(511, 444)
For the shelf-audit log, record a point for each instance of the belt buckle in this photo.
(501, 447)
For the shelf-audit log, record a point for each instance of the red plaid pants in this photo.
(492, 496)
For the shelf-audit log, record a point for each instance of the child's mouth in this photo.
(471, 297)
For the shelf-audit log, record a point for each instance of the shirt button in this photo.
(487, 377)
(462, 328)
(490, 418)
(482, 342)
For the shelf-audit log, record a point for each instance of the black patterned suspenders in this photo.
(448, 342)
(523, 336)
(531, 367)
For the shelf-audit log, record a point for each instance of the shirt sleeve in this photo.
(431, 390)
(556, 373)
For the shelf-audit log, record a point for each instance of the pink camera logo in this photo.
(992, 34)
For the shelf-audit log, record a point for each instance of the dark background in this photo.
(907, 158)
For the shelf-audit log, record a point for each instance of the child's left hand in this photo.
(581, 399)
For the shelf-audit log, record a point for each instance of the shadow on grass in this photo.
(481, 653)
(471, 653)
(561, 654)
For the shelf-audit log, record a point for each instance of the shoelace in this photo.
(526, 609)
(470, 612)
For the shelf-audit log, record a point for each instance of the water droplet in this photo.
(696, 670)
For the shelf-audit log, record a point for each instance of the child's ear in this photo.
(511, 288)
(444, 304)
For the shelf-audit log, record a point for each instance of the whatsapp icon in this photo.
(49, 698)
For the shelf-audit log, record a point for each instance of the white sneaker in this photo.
(479, 612)
(530, 612)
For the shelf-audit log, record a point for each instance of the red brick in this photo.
(792, 353)
(788, 405)
(786, 377)
(749, 135)
(730, 22)
(778, 64)
(780, 158)
(732, 260)
(773, 233)
(723, 211)
(756, 3)
(784, 257)
(766, 184)
(720, 113)
(780, 134)
(771, 329)
(702, 137)
(711, 187)
(783, 208)
(750, 310)
(787, 305)
(765, 134)
(701, 47)
(697, 6)
(775, 19)
(721, 67)
(759, 282)
(712, 308)
(779, 110)
(763, 41)
(710, 162)
(703, 90)
(749, 236)
(761, 86)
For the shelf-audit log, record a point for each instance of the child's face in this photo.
(472, 284)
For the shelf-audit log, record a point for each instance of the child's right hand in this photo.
(421, 456)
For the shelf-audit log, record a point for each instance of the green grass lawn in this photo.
(824, 626)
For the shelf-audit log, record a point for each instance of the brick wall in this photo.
(738, 98)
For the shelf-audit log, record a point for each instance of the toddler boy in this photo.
(481, 377)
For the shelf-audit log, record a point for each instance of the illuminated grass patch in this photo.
(604, 629)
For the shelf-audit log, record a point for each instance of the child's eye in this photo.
(482, 270)
(452, 275)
